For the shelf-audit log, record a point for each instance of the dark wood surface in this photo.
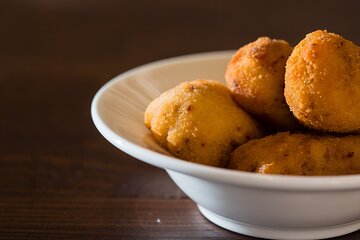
(59, 179)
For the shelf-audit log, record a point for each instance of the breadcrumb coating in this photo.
(322, 83)
(299, 154)
(255, 75)
(199, 121)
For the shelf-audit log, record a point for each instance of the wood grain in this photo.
(59, 179)
(99, 218)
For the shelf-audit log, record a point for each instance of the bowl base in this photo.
(278, 233)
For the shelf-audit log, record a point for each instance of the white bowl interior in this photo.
(128, 99)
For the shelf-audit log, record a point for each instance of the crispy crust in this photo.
(322, 83)
(299, 154)
(198, 121)
(255, 75)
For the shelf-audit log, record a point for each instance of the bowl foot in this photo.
(277, 233)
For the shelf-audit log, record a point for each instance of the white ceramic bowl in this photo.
(267, 206)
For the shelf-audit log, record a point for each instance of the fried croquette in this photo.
(299, 154)
(199, 121)
(255, 76)
(322, 83)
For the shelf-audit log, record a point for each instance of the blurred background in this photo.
(56, 49)
(107, 37)
(55, 55)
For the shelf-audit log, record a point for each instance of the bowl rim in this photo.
(228, 176)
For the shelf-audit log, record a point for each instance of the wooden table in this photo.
(59, 179)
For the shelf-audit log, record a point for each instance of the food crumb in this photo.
(158, 221)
